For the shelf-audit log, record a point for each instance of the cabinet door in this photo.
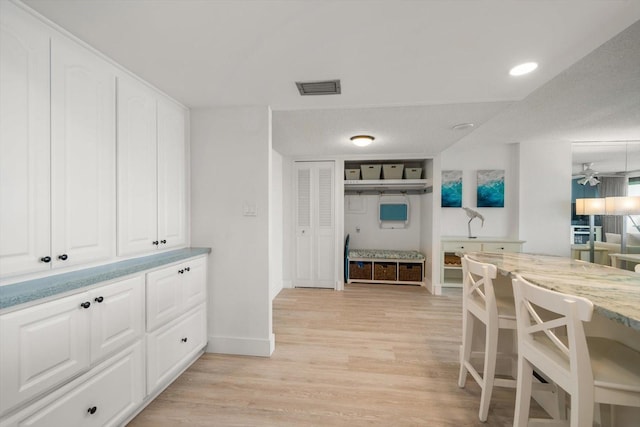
(164, 295)
(171, 175)
(117, 316)
(83, 198)
(114, 391)
(169, 348)
(24, 142)
(137, 190)
(42, 346)
(194, 288)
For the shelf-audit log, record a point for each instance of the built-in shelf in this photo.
(387, 185)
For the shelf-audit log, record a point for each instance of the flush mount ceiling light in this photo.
(362, 140)
(463, 126)
(522, 69)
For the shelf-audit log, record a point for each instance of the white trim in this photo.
(242, 346)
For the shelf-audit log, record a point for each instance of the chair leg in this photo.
(489, 372)
(465, 352)
(582, 408)
(523, 393)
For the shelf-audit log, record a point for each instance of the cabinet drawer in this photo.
(42, 346)
(114, 390)
(172, 344)
(501, 247)
(461, 246)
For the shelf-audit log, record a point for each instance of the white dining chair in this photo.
(479, 303)
(551, 340)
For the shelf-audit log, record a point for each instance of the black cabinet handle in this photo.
(99, 299)
(63, 257)
(155, 242)
(163, 241)
(85, 304)
(45, 259)
(184, 339)
(181, 271)
(187, 269)
(92, 410)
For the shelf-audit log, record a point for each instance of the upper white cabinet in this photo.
(57, 155)
(151, 170)
(82, 155)
(24, 142)
(315, 225)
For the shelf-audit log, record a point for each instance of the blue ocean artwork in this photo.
(491, 189)
(451, 189)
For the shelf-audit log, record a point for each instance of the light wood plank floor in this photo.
(371, 355)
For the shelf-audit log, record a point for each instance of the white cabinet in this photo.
(151, 170)
(42, 346)
(450, 265)
(117, 316)
(110, 393)
(173, 290)
(82, 155)
(171, 346)
(24, 142)
(45, 345)
(315, 225)
(57, 184)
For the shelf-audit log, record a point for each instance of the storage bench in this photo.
(386, 266)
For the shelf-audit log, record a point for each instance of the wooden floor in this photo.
(372, 355)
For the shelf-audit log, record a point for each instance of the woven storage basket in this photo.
(452, 260)
(384, 271)
(410, 272)
(359, 270)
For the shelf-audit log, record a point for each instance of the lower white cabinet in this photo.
(45, 345)
(105, 396)
(170, 347)
(87, 359)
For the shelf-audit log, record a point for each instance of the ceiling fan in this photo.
(588, 175)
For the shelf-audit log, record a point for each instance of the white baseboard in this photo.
(242, 346)
(287, 284)
(434, 289)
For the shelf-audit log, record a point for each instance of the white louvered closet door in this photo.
(315, 225)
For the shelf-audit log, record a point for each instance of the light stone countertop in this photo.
(615, 293)
(32, 290)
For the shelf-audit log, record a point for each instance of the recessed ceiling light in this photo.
(522, 69)
(362, 140)
(463, 126)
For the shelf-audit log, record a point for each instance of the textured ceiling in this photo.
(409, 69)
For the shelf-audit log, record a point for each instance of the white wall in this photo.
(545, 197)
(499, 222)
(230, 171)
(276, 224)
(371, 236)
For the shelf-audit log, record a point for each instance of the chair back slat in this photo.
(477, 283)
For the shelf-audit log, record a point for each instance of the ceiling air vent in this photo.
(327, 87)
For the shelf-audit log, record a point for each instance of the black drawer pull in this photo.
(184, 339)
(45, 259)
(187, 269)
(63, 257)
(99, 299)
(163, 241)
(85, 304)
(181, 271)
(155, 242)
(92, 410)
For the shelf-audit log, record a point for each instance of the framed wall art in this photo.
(451, 189)
(491, 188)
